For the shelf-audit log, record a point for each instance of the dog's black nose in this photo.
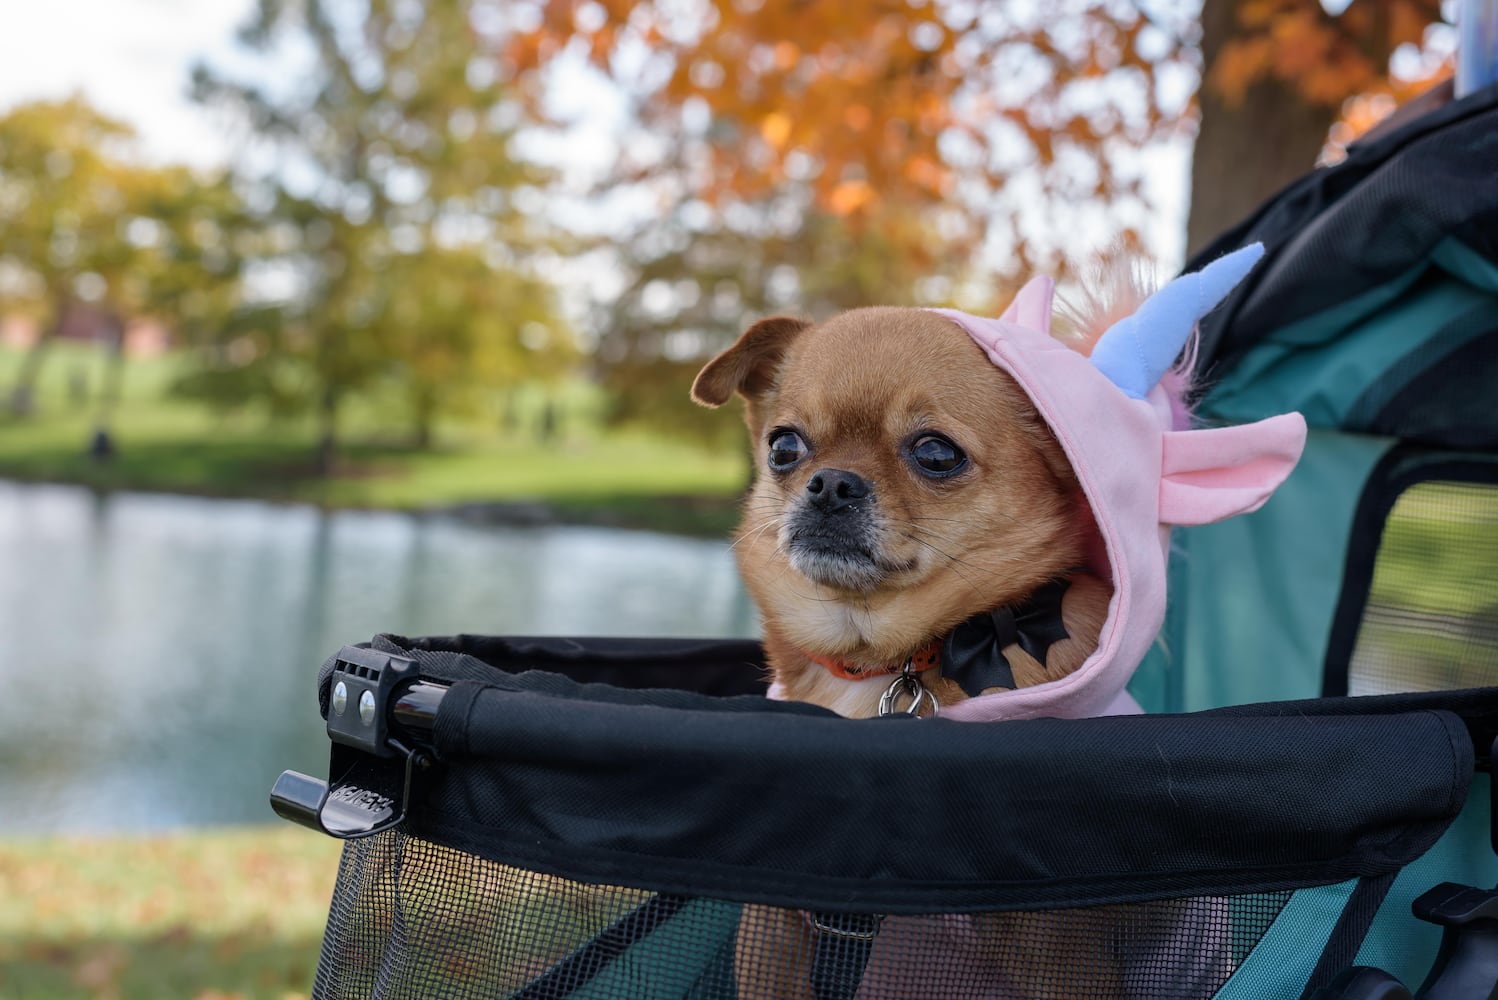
(833, 489)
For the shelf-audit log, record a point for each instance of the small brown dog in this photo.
(904, 485)
(917, 529)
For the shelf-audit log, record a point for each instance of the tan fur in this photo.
(859, 388)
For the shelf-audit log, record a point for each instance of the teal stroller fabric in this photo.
(1375, 315)
(1375, 568)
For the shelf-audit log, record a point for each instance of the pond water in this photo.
(159, 652)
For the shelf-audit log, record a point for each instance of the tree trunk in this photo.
(424, 414)
(23, 392)
(113, 387)
(1246, 152)
(101, 445)
(327, 437)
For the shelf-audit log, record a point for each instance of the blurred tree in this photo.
(819, 155)
(811, 157)
(91, 232)
(186, 271)
(379, 149)
(1039, 109)
(1278, 75)
(698, 273)
(63, 190)
(458, 326)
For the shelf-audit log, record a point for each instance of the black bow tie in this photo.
(973, 655)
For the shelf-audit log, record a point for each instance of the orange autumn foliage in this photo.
(910, 103)
(817, 155)
(1334, 60)
(886, 104)
(1328, 57)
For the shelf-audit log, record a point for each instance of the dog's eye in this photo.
(936, 456)
(786, 449)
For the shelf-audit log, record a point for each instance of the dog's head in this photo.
(910, 476)
(903, 482)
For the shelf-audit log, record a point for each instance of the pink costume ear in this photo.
(1211, 474)
(1032, 306)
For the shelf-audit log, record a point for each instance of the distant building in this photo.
(88, 324)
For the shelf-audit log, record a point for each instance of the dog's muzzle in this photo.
(832, 535)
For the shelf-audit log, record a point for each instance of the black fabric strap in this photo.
(575, 972)
(844, 942)
(1352, 926)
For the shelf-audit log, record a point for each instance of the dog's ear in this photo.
(749, 365)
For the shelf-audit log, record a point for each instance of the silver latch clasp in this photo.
(909, 684)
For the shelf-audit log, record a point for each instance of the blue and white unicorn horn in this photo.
(1137, 351)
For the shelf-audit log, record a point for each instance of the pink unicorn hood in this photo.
(1140, 473)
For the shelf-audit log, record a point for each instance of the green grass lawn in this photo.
(164, 443)
(209, 916)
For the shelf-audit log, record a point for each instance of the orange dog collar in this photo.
(925, 659)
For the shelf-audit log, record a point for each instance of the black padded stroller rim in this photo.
(675, 791)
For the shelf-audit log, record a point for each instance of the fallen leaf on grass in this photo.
(101, 971)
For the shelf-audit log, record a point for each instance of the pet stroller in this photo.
(595, 818)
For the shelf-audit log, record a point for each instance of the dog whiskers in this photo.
(953, 561)
(1026, 532)
(759, 529)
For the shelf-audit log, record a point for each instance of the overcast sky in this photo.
(130, 58)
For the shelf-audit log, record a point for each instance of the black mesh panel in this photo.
(1431, 619)
(413, 919)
